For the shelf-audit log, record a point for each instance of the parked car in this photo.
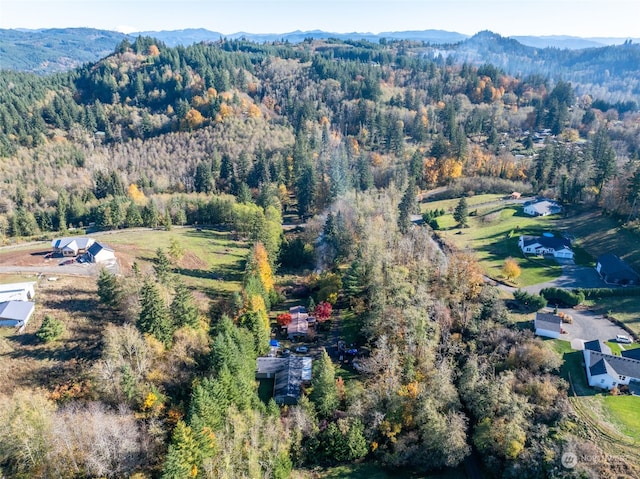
(302, 349)
(621, 338)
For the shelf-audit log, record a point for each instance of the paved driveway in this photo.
(572, 277)
(588, 325)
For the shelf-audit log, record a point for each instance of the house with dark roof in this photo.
(547, 244)
(548, 325)
(542, 208)
(100, 253)
(16, 313)
(288, 374)
(605, 370)
(615, 271)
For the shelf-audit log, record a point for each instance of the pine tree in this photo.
(461, 213)
(183, 311)
(162, 266)
(108, 289)
(408, 206)
(604, 158)
(184, 454)
(325, 393)
(154, 316)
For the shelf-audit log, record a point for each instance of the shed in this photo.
(16, 313)
(17, 291)
(548, 325)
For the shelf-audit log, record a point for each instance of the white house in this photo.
(16, 313)
(542, 208)
(17, 292)
(72, 246)
(548, 325)
(606, 371)
(99, 253)
(546, 244)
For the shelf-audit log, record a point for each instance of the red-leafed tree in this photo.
(323, 311)
(283, 319)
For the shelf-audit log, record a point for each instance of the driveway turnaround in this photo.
(588, 326)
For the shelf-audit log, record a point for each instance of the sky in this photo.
(585, 18)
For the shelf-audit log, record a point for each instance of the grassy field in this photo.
(213, 265)
(449, 205)
(624, 412)
(493, 235)
(599, 234)
(213, 261)
(371, 471)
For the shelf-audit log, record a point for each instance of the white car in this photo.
(621, 338)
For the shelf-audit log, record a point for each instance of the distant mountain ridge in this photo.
(60, 49)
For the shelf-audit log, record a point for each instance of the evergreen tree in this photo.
(133, 218)
(154, 317)
(604, 159)
(408, 206)
(183, 309)
(108, 289)
(461, 213)
(162, 266)
(324, 393)
(183, 456)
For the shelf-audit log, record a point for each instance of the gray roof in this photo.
(555, 242)
(289, 375)
(612, 266)
(548, 321)
(82, 242)
(600, 363)
(598, 346)
(19, 311)
(545, 207)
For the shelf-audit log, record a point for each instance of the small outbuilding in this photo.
(17, 291)
(16, 313)
(613, 270)
(548, 325)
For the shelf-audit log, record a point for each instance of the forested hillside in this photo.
(345, 135)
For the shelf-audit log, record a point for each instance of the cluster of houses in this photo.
(85, 247)
(16, 305)
(604, 369)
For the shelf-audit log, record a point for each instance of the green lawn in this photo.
(625, 412)
(621, 411)
(449, 205)
(213, 261)
(599, 234)
(572, 370)
(493, 235)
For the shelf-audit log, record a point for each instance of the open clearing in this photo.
(212, 266)
(493, 236)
